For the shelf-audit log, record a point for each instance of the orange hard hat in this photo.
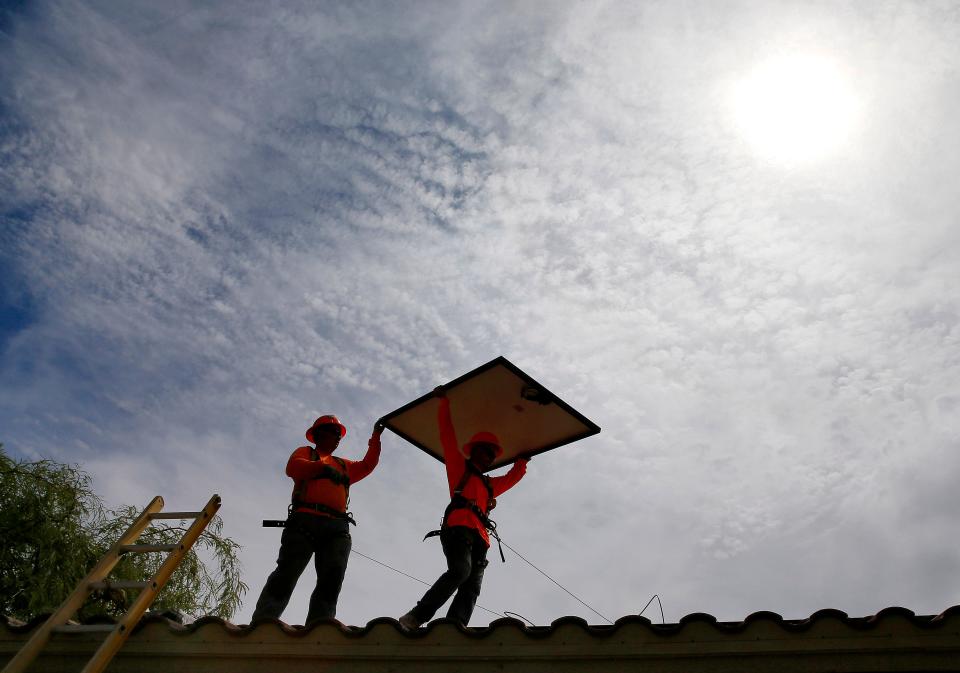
(483, 438)
(327, 419)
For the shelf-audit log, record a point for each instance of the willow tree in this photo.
(54, 529)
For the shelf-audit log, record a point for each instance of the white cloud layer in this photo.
(225, 219)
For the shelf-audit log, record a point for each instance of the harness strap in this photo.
(341, 479)
(458, 501)
(488, 523)
(317, 507)
(469, 470)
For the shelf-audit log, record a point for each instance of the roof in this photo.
(895, 639)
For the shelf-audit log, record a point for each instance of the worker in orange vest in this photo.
(318, 520)
(464, 532)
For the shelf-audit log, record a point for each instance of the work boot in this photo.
(409, 622)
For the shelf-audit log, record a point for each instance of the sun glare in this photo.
(795, 109)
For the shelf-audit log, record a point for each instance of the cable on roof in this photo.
(657, 596)
(517, 614)
(370, 558)
(528, 562)
(556, 582)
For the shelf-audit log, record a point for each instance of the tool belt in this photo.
(460, 502)
(323, 509)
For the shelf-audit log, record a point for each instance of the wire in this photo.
(657, 596)
(528, 562)
(555, 582)
(517, 614)
(370, 558)
(417, 579)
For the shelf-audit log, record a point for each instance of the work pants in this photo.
(305, 535)
(466, 555)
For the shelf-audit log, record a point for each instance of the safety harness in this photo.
(339, 478)
(459, 501)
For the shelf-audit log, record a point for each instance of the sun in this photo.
(795, 108)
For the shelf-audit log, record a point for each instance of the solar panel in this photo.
(496, 397)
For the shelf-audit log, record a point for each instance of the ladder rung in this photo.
(118, 584)
(143, 548)
(116, 634)
(175, 515)
(84, 628)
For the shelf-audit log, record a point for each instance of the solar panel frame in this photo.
(416, 421)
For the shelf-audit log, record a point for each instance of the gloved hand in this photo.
(374, 442)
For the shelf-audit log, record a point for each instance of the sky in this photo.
(726, 232)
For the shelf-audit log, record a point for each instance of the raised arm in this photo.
(510, 479)
(361, 468)
(452, 457)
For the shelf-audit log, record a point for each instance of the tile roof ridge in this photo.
(513, 622)
(828, 613)
(697, 617)
(892, 611)
(297, 630)
(952, 611)
(17, 626)
(923, 621)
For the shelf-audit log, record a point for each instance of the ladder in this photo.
(97, 579)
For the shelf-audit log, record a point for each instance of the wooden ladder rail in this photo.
(97, 578)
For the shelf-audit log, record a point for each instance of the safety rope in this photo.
(581, 601)
(370, 558)
(532, 565)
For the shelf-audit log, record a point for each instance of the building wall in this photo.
(894, 640)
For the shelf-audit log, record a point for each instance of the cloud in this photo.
(225, 220)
